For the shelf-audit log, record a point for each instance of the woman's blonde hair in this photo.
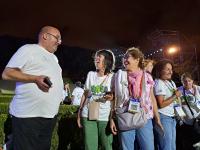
(137, 54)
(147, 61)
(186, 75)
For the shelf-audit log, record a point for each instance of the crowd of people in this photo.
(140, 103)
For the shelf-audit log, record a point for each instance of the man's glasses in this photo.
(57, 38)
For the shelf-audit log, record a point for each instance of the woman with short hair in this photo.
(98, 89)
(134, 92)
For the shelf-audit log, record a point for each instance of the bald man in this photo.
(38, 91)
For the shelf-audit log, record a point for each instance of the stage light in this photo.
(172, 50)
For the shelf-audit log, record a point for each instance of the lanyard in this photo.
(104, 80)
(170, 86)
(130, 87)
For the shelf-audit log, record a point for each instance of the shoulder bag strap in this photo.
(184, 96)
(104, 79)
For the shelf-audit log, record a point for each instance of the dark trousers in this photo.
(32, 133)
(186, 137)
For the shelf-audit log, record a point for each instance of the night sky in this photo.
(101, 24)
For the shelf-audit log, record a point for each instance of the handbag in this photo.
(196, 123)
(126, 120)
(93, 107)
(93, 110)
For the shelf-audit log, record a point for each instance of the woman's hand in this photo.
(79, 119)
(113, 127)
(158, 122)
(177, 93)
(108, 96)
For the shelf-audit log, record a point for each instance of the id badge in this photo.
(134, 105)
(179, 111)
(198, 105)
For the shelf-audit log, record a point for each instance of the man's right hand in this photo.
(39, 80)
(15, 74)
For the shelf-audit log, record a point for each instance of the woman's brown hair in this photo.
(159, 66)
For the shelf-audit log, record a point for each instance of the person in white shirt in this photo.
(77, 94)
(98, 87)
(66, 94)
(36, 102)
(166, 95)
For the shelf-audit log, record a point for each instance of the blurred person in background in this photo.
(77, 93)
(148, 65)
(190, 96)
(67, 94)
